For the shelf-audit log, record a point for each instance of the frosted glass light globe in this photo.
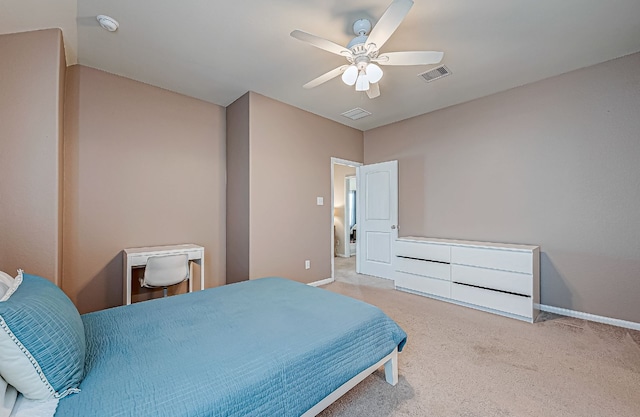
(350, 76)
(374, 73)
(362, 83)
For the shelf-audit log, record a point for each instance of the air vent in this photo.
(356, 113)
(434, 74)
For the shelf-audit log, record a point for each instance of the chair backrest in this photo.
(162, 271)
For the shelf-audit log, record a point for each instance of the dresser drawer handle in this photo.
(491, 289)
(423, 260)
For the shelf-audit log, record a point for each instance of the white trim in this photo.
(390, 363)
(347, 208)
(340, 255)
(587, 316)
(345, 162)
(321, 282)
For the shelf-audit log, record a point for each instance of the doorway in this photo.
(343, 220)
(350, 232)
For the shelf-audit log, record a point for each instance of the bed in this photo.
(266, 347)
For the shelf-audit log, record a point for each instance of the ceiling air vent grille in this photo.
(434, 74)
(357, 113)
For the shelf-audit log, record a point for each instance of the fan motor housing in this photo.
(362, 61)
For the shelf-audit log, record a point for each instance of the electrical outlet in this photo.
(307, 264)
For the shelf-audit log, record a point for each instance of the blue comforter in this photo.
(268, 347)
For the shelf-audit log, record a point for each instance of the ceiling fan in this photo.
(363, 52)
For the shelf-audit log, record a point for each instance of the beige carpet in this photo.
(467, 363)
(345, 271)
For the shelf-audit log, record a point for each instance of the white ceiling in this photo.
(217, 51)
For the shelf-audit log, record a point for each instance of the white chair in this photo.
(164, 271)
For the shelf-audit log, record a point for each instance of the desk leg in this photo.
(190, 280)
(202, 271)
(126, 288)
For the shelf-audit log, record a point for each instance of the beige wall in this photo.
(554, 163)
(32, 71)
(339, 174)
(238, 190)
(290, 156)
(143, 167)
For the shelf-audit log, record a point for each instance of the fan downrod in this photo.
(361, 29)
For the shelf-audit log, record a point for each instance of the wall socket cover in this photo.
(307, 264)
(320, 201)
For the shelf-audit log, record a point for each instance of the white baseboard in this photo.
(588, 316)
(321, 282)
(341, 255)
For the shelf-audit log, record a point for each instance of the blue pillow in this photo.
(42, 342)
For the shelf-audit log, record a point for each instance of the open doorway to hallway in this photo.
(344, 224)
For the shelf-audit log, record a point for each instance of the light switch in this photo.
(320, 201)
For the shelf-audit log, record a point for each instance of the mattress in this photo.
(266, 347)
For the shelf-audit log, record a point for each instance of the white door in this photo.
(377, 229)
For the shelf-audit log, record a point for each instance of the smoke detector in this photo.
(108, 23)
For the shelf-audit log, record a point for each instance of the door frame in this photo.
(346, 237)
(338, 161)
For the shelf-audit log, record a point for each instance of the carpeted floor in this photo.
(461, 362)
(345, 271)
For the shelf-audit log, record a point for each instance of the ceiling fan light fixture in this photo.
(364, 51)
(350, 76)
(374, 73)
(362, 83)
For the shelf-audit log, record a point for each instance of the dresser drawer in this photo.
(426, 251)
(495, 259)
(422, 284)
(513, 304)
(426, 268)
(494, 279)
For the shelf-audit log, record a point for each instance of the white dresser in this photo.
(498, 278)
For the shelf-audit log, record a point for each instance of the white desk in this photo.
(137, 258)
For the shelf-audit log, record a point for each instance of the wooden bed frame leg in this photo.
(391, 368)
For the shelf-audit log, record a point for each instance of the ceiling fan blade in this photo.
(374, 90)
(389, 22)
(326, 77)
(321, 43)
(409, 58)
